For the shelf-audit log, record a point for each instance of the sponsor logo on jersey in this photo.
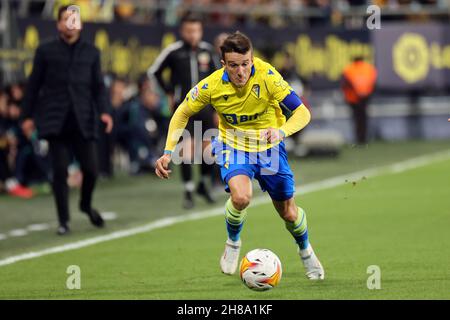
(194, 93)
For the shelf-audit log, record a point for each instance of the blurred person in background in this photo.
(64, 97)
(124, 10)
(358, 85)
(146, 125)
(288, 71)
(218, 40)
(7, 179)
(107, 141)
(324, 17)
(30, 153)
(189, 60)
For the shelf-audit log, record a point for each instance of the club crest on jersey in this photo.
(194, 93)
(256, 90)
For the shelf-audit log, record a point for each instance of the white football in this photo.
(260, 269)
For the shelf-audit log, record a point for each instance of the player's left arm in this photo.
(283, 93)
(300, 115)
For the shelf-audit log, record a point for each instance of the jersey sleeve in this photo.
(281, 91)
(199, 96)
(277, 86)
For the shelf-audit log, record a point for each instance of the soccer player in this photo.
(247, 93)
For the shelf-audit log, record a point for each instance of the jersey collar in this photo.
(226, 78)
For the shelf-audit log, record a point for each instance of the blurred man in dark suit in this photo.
(65, 97)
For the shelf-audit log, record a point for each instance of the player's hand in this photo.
(162, 166)
(272, 135)
(28, 127)
(107, 119)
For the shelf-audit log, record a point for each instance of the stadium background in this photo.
(408, 118)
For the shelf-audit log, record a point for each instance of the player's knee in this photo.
(240, 201)
(289, 214)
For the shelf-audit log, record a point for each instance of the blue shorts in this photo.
(269, 167)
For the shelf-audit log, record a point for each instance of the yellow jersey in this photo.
(243, 112)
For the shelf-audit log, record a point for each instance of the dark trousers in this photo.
(5, 172)
(69, 142)
(360, 120)
(104, 151)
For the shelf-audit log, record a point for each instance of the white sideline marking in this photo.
(38, 227)
(311, 187)
(18, 233)
(109, 215)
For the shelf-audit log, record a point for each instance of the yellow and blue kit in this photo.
(243, 114)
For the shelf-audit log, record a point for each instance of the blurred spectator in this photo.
(358, 85)
(7, 144)
(144, 127)
(121, 134)
(288, 70)
(139, 125)
(106, 141)
(124, 10)
(218, 40)
(30, 153)
(189, 60)
(322, 18)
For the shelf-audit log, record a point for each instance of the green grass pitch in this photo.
(399, 222)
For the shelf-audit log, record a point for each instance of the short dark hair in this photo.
(61, 11)
(191, 18)
(237, 42)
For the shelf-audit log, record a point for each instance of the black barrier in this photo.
(407, 56)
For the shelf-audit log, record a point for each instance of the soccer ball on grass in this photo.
(260, 269)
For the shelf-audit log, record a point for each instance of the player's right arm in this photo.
(195, 100)
(178, 122)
